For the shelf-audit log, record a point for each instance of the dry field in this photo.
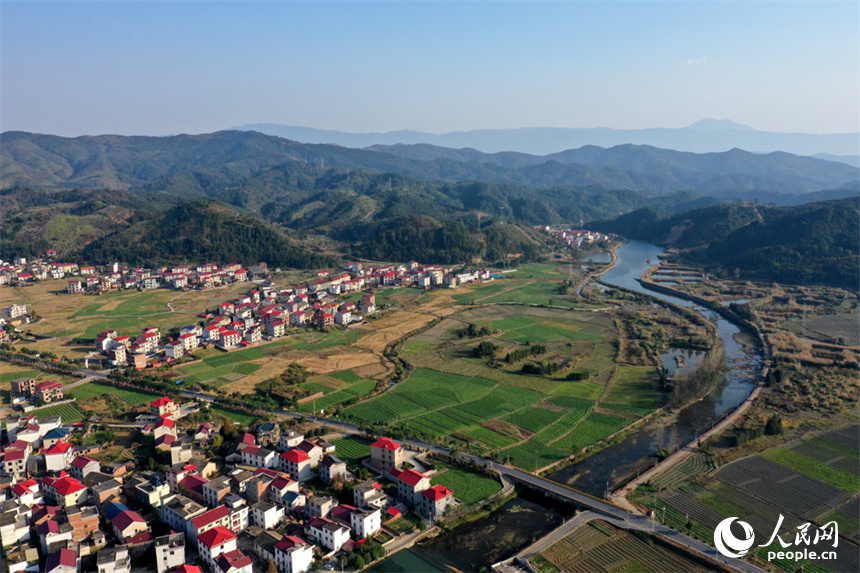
(391, 328)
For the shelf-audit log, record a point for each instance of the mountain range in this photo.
(120, 162)
(707, 135)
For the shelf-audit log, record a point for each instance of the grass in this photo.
(94, 389)
(9, 376)
(69, 413)
(351, 450)
(636, 386)
(240, 417)
(468, 487)
(813, 469)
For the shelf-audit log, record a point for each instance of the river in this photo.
(616, 465)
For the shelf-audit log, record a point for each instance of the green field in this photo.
(814, 469)
(94, 389)
(69, 412)
(9, 376)
(239, 417)
(636, 386)
(532, 455)
(489, 437)
(346, 376)
(351, 450)
(333, 399)
(590, 431)
(468, 487)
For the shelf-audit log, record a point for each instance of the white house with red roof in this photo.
(293, 555)
(59, 456)
(126, 524)
(62, 561)
(233, 562)
(298, 464)
(314, 451)
(165, 426)
(259, 457)
(15, 461)
(366, 521)
(175, 349)
(81, 466)
(433, 502)
(65, 491)
(49, 391)
(212, 543)
(410, 484)
(163, 406)
(178, 473)
(27, 493)
(218, 517)
(229, 339)
(386, 455)
(189, 341)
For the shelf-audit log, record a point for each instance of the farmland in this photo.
(93, 389)
(468, 487)
(352, 450)
(68, 411)
(598, 546)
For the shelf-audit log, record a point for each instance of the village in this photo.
(277, 498)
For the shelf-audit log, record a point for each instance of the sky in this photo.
(159, 68)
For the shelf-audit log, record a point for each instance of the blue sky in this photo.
(158, 68)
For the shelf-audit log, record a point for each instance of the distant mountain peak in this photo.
(718, 125)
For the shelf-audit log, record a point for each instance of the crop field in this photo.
(468, 487)
(692, 466)
(636, 386)
(533, 419)
(483, 291)
(599, 547)
(238, 417)
(532, 455)
(489, 437)
(352, 450)
(7, 377)
(590, 431)
(94, 389)
(238, 356)
(567, 423)
(333, 399)
(69, 412)
(345, 376)
(816, 470)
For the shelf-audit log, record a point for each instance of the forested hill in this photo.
(131, 162)
(812, 243)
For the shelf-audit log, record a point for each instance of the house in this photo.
(126, 524)
(179, 511)
(386, 455)
(321, 506)
(175, 349)
(433, 502)
(62, 561)
(268, 434)
(264, 545)
(314, 451)
(49, 391)
(259, 457)
(15, 461)
(163, 406)
(266, 514)
(216, 490)
(330, 467)
(25, 386)
(276, 328)
(84, 521)
(280, 486)
(114, 560)
(214, 542)
(81, 466)
(257, 488)
(218, 517)
(329, 534)
(297, 464)
(229, 339)
(253, 335)
(27, 493)
(169, 551)
(66, 491)
(366, 521)
(75, 287)
(324, 320)
(300, 318)
(150, 491)
(293, 555)
(343, 317)
(410, 484)
(238, 513)
(233, 562)
(14, 526)
(59, 456)
(189, 341)
(290, 440)
(368, 493)
(164, 427)
(55, 436)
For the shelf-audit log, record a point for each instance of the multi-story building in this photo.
(293, 555)
(386, 455)
(169, 551)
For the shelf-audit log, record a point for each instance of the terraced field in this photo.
(94, 389)
(468, 487)
(69, 413)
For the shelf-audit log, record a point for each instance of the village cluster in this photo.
(267, 312)
(576, 238)
(60, 503)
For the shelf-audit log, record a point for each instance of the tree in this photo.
(228, 430)
(272, 568)
(217, 441)
(359, 562)
(773, 425)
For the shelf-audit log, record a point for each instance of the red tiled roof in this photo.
(14, 455)
(161, 402)
(82, 461)
(289, 541)
(68, 485)
(188, 569)
(233, 560)
(296, 456)
(307, 446)
(124, 519)
(62, 557)
(386, 444)
(210, 516)
(144, 537)
(215, 537)
(409, 476)
(59, 448)
(194, 483)
(437, 492)
(393, 512)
